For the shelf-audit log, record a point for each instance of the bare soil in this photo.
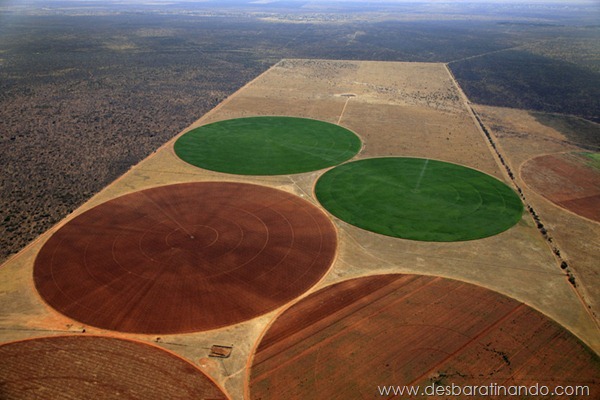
(567, 180)
(185, 258)
(345, 340)
(401, 109)
(78, 367)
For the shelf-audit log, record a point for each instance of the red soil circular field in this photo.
(186, 257)
(568, 180)
(353, 339)
(84, 367)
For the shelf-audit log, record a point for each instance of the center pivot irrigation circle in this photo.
(419, 199)
(351, 339)
(83, 367)
(267, 145)
(186, 257)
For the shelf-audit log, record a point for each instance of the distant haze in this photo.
(338, 3)
(4, 2)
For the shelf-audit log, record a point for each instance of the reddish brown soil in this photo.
(80, 367)
(185, 257)
(344, 341)
(566, 180)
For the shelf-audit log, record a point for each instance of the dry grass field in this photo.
(523, 140)
(399, 109)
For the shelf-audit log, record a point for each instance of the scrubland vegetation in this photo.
(86, 92)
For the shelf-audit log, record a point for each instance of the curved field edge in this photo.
(270, 145)
(419, 330)
(419, 199)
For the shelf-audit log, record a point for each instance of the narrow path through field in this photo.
(292, 40)
(421, 175)
(343, 110)
(485, 54)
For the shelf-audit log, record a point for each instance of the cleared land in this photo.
(419, 199)
(78, 110)
(184, 258)
(347, 339)
(523, 137)
(569, 180)
(78, 367)
(398, 109)
(267, 146)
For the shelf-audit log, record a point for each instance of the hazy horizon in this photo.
(165, 2)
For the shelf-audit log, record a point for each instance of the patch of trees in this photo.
(82, 98)
(520, 79)
(75, 115)
(580, 132)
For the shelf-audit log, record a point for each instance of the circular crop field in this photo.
(186, 257)
(92, 367)
(419, 199)
(359, 338)
(267, 145)
(569, 180)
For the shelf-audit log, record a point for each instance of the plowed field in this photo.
(348, 340)
(85, 367)
(185, 257)
(569, 180)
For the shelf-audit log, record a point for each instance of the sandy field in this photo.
(400, 109)
(526, 142)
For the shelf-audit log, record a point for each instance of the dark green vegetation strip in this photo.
(419, 199)
(267, 145)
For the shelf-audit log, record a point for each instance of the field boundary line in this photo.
(547, 200)
(485, 54)
(496, 150)
(78, 210)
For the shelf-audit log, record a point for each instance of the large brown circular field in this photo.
(353, 339)
(569, 180)
(84, 367)
(186, 257)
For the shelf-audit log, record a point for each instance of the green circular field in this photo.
(419, 199)
(267, 145)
